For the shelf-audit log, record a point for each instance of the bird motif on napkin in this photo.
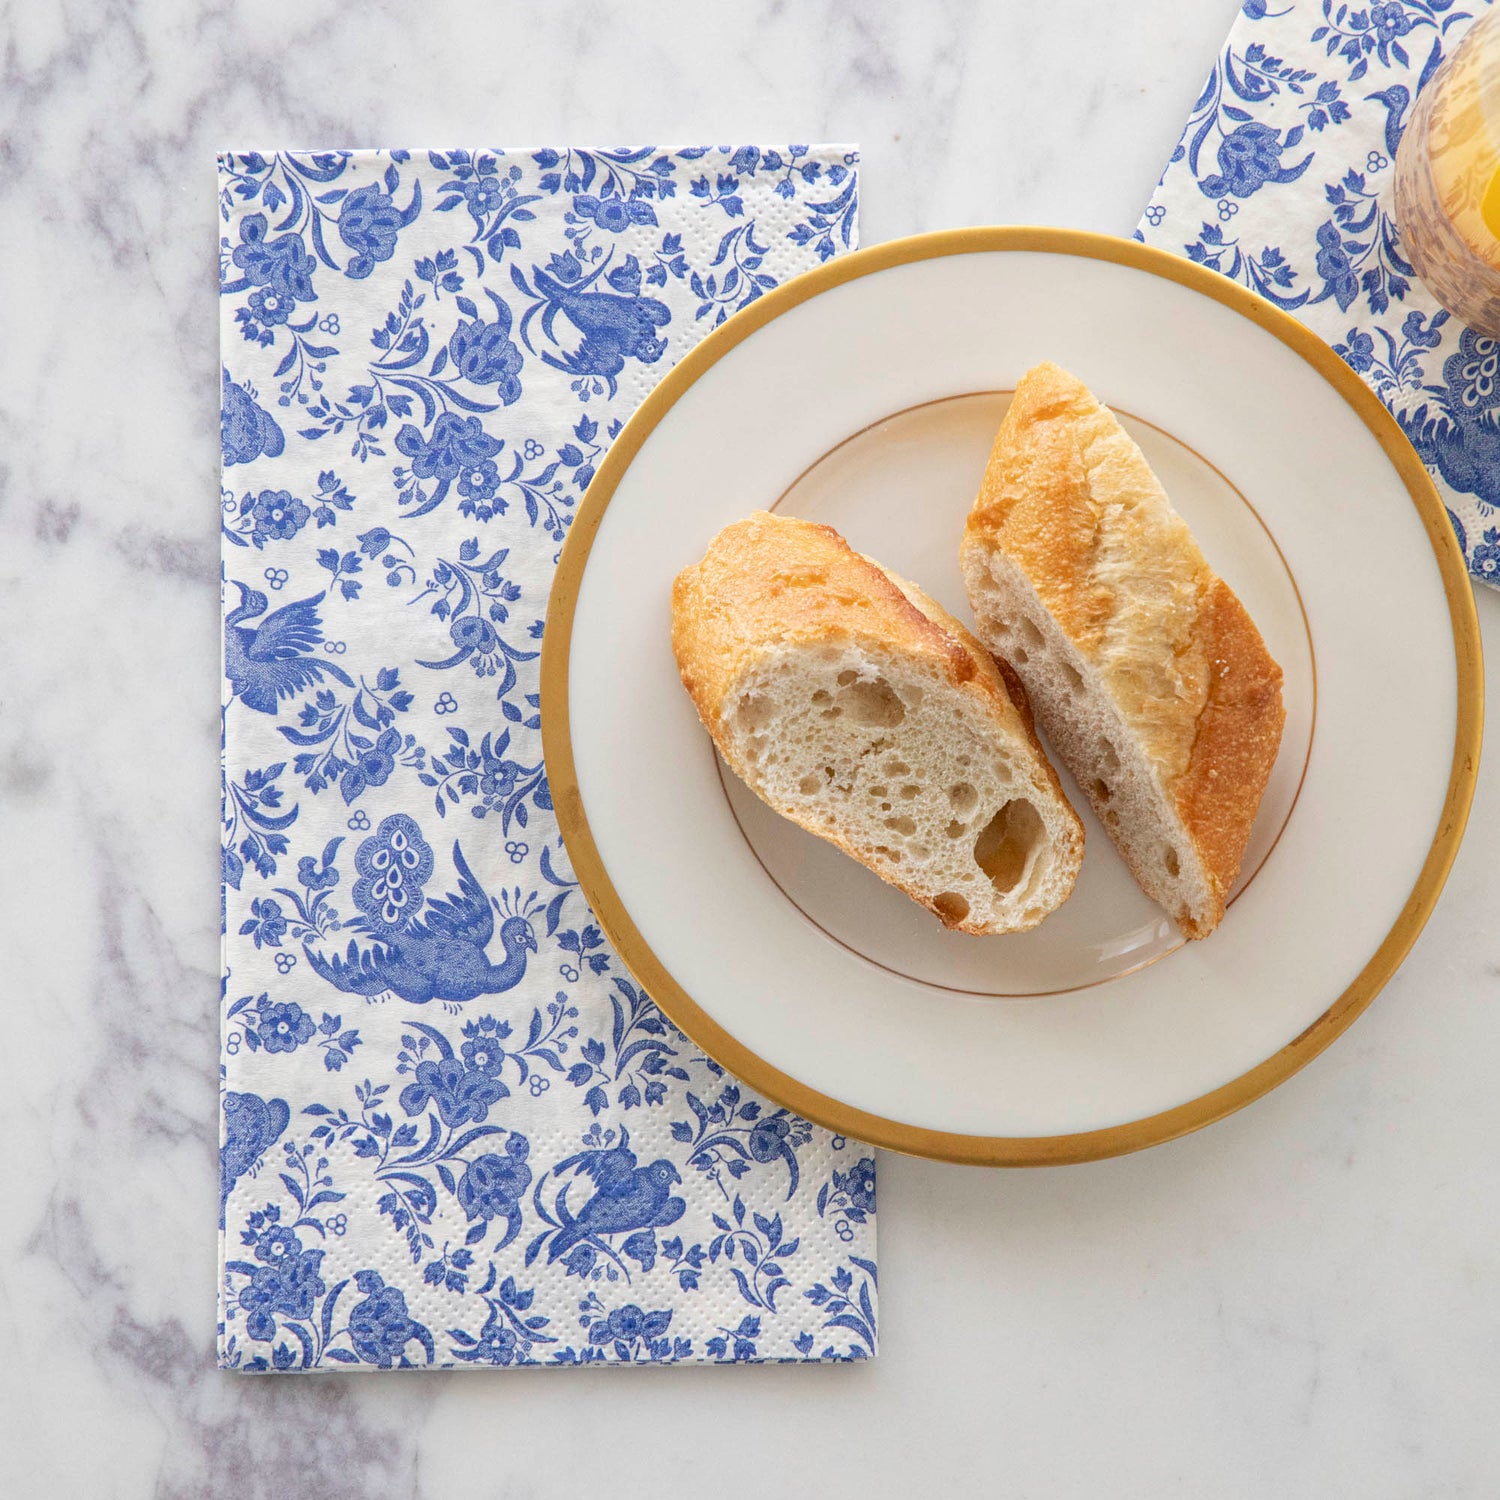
(270, 661)
(424, 948)
(1394, 101)
(627, 1197)
(252, 1125)
(616, 325)
(246, 429)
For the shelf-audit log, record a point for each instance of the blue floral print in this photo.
(484, 354)
(493, 1186)
(453, 1130)
(369, 222)
(286, 1281)
(284, 1027)
(257, 1021)
(1249, 157)
(276, 515)
(278, 266)
(455, 445)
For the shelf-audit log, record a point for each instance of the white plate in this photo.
(866, 395)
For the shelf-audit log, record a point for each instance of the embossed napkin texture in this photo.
(1283, 180)
(454, 1131)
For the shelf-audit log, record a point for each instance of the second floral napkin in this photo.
(1282, 180)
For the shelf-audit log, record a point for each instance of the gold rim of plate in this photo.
(691, 1018)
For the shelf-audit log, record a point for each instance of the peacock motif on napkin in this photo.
(422, 948)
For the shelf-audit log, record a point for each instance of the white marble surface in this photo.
(1299, 1301)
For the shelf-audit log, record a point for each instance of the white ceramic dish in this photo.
(866, 395)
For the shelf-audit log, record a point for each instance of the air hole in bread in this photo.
(913, 695)
(918, 852)
(894, 767)
(879, 791)
(1102, 791)
(902, 825)
(1073, 677)
(957, 830)
(810, 786)
(1112, 818)
(894, 855)
(831, 713)
(1007, 842)
(1019, 655)
(846, 677)
(963, 797)
(819, 698)
(1030, 635)
(885, 807)
(909, 791)
(875, 702)
(754, 713)
(1109, 759)
(950, 906)
(1174, 868)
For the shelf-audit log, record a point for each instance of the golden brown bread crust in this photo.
(773, 580)
(1069, 498)
(1239, 733)
(777, 581)
(1033, 500)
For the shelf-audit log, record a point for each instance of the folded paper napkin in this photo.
(1283, 181)
(453, 1130)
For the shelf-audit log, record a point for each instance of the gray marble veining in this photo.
(1298, 1301)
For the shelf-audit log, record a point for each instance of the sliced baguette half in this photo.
(1146, 674)
(857, 707)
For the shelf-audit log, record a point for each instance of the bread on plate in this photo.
(1147, 676)
(856, 706)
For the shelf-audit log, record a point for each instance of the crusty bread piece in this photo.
(854, 705)
(1147, 676)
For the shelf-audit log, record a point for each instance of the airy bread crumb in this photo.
(851, 703)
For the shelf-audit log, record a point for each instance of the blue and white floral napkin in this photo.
(454, 1131)
(1283, 180)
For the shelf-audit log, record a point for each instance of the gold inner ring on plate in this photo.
(1179, 941)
